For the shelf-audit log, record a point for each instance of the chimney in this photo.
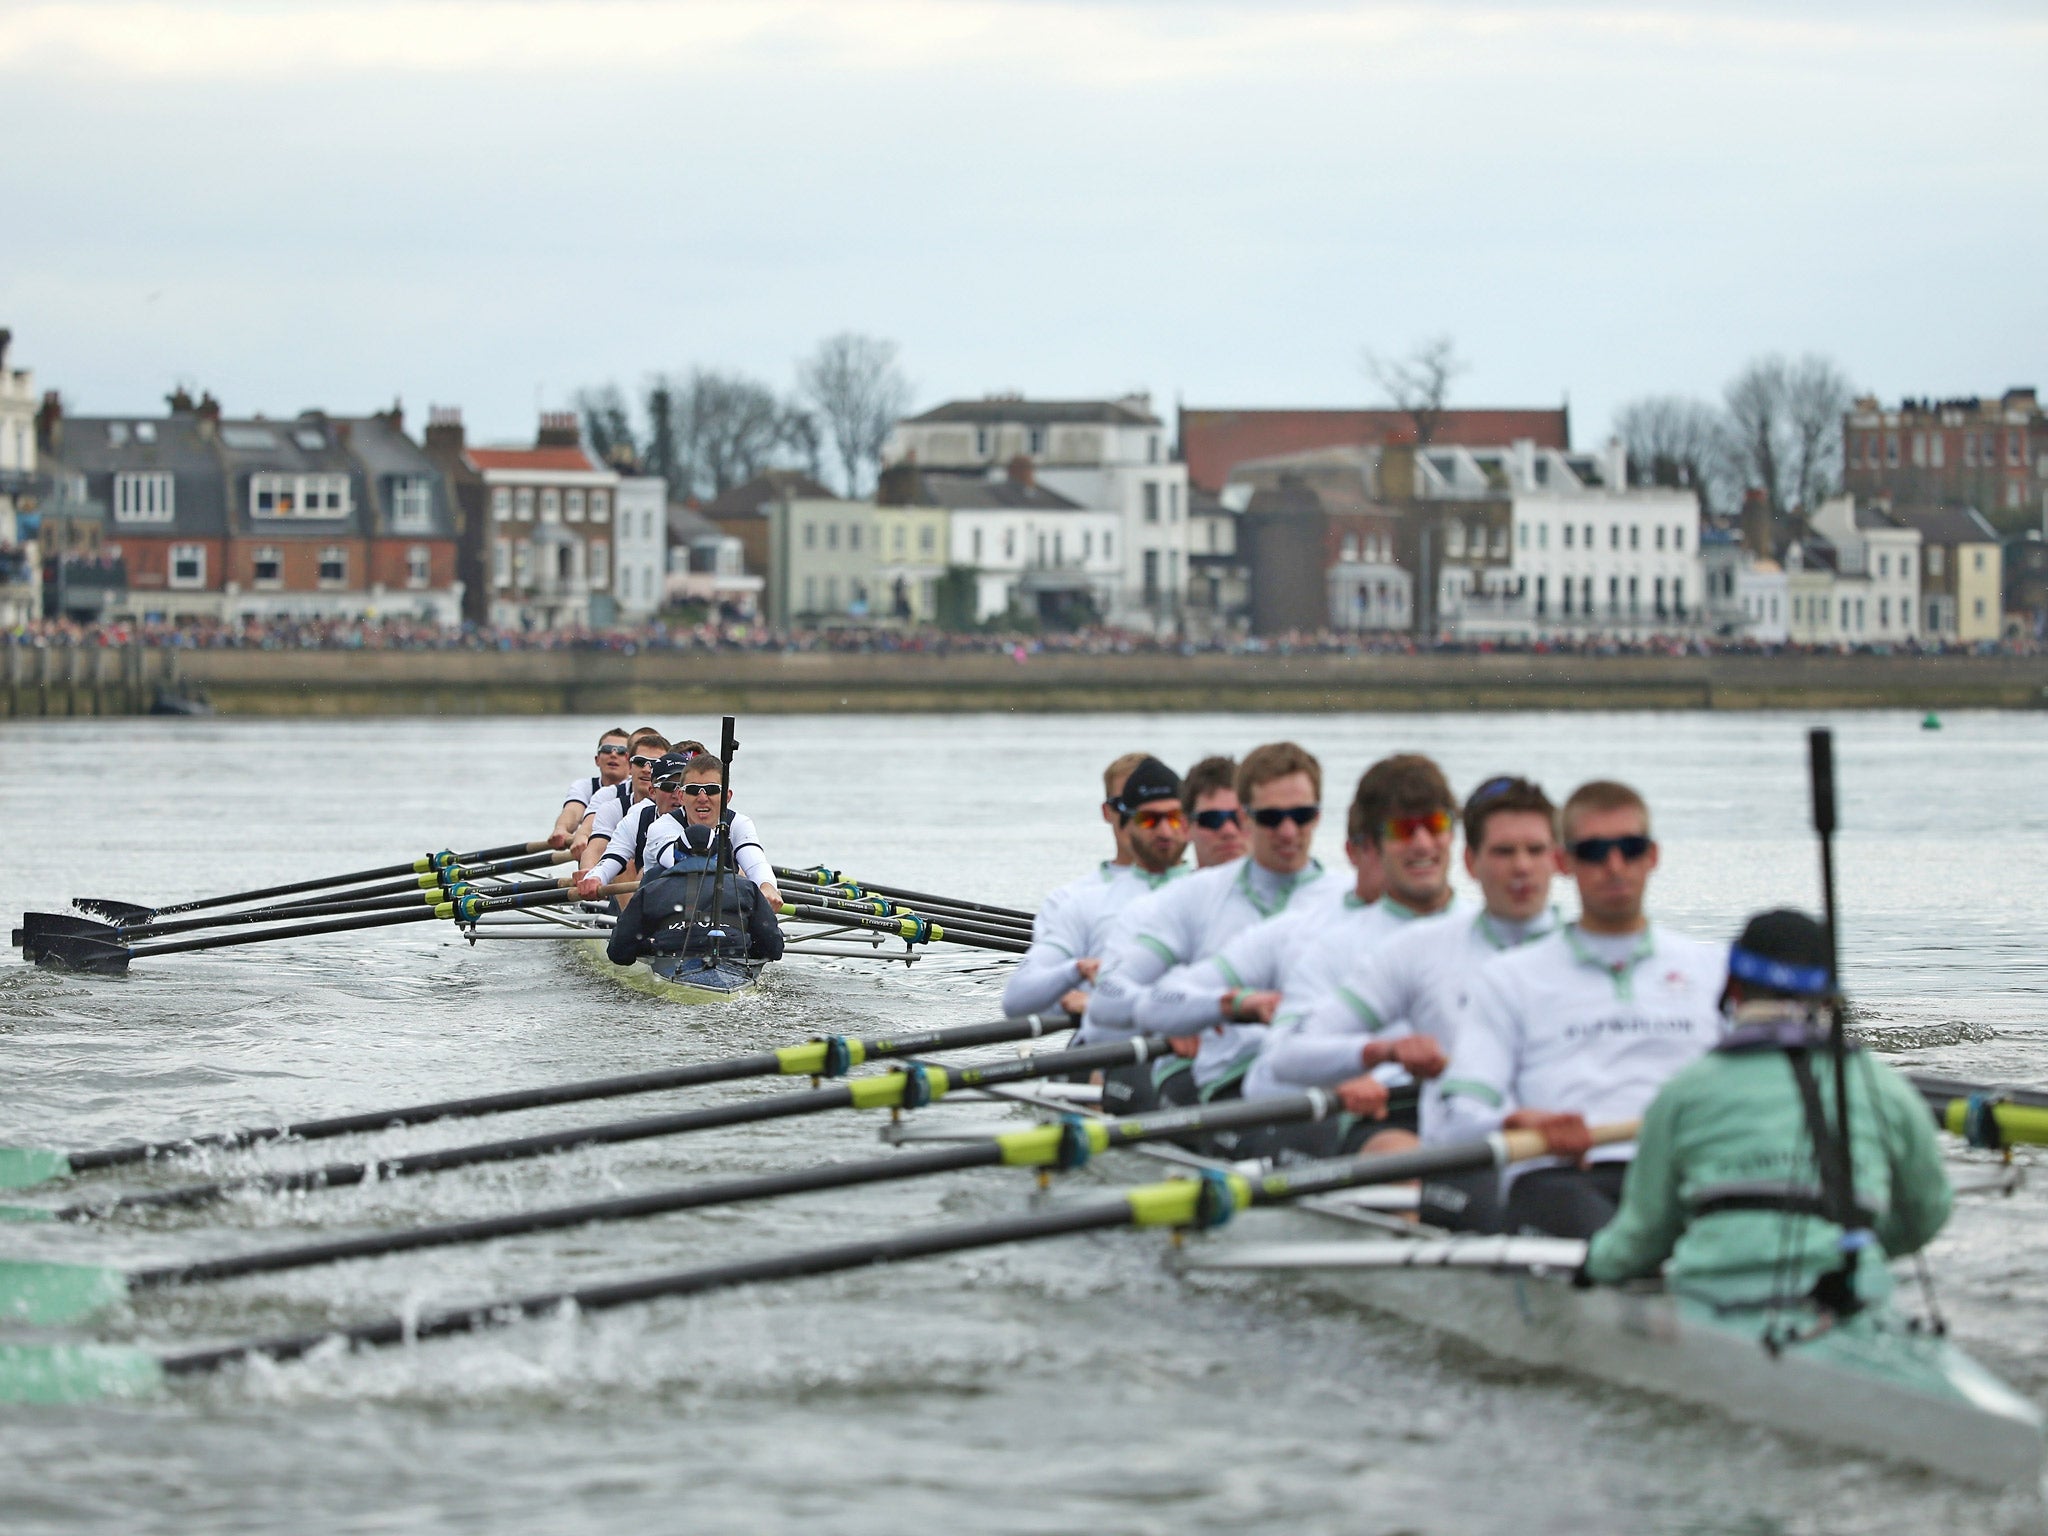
(444, 437)
(1020, 471)
(1525, 463)
(395, 417)
(208, 409)
(50, 423)
(1617, 465)
(559, 429)
(6, 340)
(1397, 471)
(180, 401)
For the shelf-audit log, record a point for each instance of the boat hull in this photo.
(680, 978)
(1874, 1385)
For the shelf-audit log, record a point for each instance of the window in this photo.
(853, 537)
(1565, 590)
(1109, 546)
(927, 539)
(1634, 594)
(419, 566)
(1919, 448)
(572, 506)
(1151, 575)
(1935, 448)
(188, 565)
(148, 498)
(267, 569)
(522, 504)
(1567, 535)
(1977, 564)
(981, 442)
(1035, 441)
(551, 505)
(977, 546)
(831, 535)
(333, 566)
(1657, 589)
(1635, 536)
(832, 593)
(1614, 594)
(501, 562)
(1678, 538)
(1009, 543)
(1173, 503)
(298, 496)
(1884, 565)
(522, 563)
(1678, 598)
(1589, 535)
(1884, 613)
(1970, 450)
(1151, 501)
(501, 505)
(1088, 543)
(2012, 493)
(1522, 535)
(1934, 616)
(810, 594)
(1891, 449)
(1934, 560)
(1152, 449)
(1454, 539)
(1979, 607)
(1614, 535)
(600, 563)
(1542, 596)
(898, 539)
(2012, 448)
(810, 535)
(601, 507)
(1543, 536)
(1660, 536)
(412, 504)
(1350, 549)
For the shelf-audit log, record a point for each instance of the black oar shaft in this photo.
(296, 931)
(829, 907)
(387, 872)
(396, 887)
(692, 1075)
(781, 1106)
(815, 877)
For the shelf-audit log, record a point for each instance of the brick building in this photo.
(536, 530)
(313, 517)
(1988, 454)
(1214, 442)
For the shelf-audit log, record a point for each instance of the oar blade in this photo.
(115, 911)
(49, 1294)
(94, 957)
(76, 1373)
(35, 925)
(26, 1167)
(26, 1213)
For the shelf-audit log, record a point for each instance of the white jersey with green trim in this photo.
(1182, 923)
(1411, 984)
(1583, 1024)
(1296, 954)
(1074, 923)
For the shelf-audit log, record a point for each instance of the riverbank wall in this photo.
(90, 681)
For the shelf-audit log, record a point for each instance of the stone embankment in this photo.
(281, 683)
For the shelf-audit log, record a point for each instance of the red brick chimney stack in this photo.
(559, 429)
(444, 431)
(50, 423)
(1021, 471)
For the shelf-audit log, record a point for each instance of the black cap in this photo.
(700, 838)
(1150, 780)
(1783, 951)
(668, 768)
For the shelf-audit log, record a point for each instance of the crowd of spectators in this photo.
(395, 634)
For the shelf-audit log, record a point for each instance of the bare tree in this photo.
(858, 392)
(1419, 383)
(1785, 428)
(1674, 441)
(608, 423)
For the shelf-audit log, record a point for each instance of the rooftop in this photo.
(1130, 411)
(752, 498)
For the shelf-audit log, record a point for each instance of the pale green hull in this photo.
(717, 985)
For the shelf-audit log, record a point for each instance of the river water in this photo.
(1068, 1386)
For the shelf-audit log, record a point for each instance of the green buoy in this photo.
(1932, 722)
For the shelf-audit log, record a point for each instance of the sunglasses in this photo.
(1595, 850)
(611, 751)
(1150, 819)
(1216, 821)
(700, 789)
(643, 762)
(1300, 815)
(1398, 829)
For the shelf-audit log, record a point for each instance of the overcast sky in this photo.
(488, 203)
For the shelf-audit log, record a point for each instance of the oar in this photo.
(832, 1056)
(128, 910)
(912, 930)
(887, 906)
(822, 876)
(909, 1087)
(877, 907)
(110, 957)
(39, 927)
(72, 1373)
(46, 1294)
(1985, 1114)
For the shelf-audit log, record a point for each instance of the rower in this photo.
(1215, 820)
(1398, 834)
(693, 900)
(623, 850)
(610, 805)
(613, 747)
(1390, 1013)
(1726, 1195)
(1144, 806)
(701, 785)
(1280, 785)
(1583, 1025)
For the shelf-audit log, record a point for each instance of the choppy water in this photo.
(1065, 1387)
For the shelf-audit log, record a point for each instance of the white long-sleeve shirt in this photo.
(651, 834)
(609, 806)
(1073, 924)
(1411, 984)
(1181, 923)
(1559, 1025)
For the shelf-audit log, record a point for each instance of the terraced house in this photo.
(315, 516)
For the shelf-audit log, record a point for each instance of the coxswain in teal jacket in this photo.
(1728, 1135)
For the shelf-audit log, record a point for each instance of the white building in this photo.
(1102, 456)
(1885, 554)
(20, 571)
(1746, 597)
(640, 547)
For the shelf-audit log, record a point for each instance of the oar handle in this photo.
(1523, 1145)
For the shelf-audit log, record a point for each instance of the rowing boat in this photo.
(1879, 1384)
(679, 978)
